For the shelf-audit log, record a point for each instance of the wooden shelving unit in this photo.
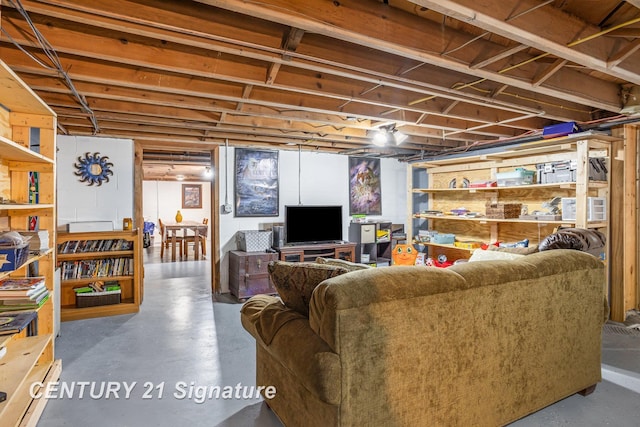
(27, 144)
(441, 173)
(130, 283)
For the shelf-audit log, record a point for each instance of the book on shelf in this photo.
(25, 304)
(104, 267)
(12, 323)
(101, 245)
(16, 287)
(99, 286)
(17, 297)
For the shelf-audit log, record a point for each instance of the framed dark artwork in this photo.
(364, 186)
(191, 196)
(256, 183)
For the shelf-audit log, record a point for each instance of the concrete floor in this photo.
(181, 341)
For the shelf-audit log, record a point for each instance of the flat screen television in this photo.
(312, 224)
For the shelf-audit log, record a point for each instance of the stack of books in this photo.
(38, 240)
(13, 323)
(22, 293)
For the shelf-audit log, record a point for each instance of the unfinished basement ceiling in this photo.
(171, 165)
(323, 75)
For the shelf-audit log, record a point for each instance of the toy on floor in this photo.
(404, 254)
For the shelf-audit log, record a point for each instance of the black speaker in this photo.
(278, 236)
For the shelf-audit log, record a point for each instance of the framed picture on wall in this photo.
(191, 196)
(364, 186)
(256, 183)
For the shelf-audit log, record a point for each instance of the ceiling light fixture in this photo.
(180, 177)
(388, 135)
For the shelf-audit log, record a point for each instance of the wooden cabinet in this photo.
(114, 256)
(447, 188)
(373, 242)
(27, 150)
(248, 274)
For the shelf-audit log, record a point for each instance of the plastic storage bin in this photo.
(596, 208)
(520, 176)
(566, 170)
(443, 238)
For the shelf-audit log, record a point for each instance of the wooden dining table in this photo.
(199, 229)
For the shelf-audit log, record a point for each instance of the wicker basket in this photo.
(93, 299)
(503, 210)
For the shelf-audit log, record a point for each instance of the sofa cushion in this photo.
(295, 281)
(351, 266)
(484, 255)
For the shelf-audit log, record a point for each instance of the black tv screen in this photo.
(312, 224)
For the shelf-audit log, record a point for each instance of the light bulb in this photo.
(380, 138)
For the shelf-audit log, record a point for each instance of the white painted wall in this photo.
(324, 180)
(111, 201)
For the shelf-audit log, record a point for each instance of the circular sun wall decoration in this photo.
(93, 168)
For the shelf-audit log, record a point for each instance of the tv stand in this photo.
(309, 252)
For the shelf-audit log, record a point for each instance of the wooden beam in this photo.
(187, 32)
(549, 71)
(546, 28)
(616, 254)
(138, 217)
(631, 247)
(403, 34)
(214, 221)
(623, 53)
(495, 58)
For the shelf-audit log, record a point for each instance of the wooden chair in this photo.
(192, 238)
(166, 240)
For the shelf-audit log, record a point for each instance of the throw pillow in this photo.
(295, 281)
(351, 266)
(483, 255)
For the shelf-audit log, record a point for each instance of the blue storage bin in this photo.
(443, 238)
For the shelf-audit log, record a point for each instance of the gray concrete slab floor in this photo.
(151, 368)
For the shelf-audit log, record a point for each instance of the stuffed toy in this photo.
(404, 254)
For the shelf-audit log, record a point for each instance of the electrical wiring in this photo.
(52, 55)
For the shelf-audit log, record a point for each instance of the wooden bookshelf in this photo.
(84, 258)
(27, 146)
(442, 192)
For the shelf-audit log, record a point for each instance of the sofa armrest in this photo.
(263, 315)
(288, 338)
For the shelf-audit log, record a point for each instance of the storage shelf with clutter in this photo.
(512, 196)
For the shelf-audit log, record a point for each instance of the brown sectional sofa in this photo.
(481, 343)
